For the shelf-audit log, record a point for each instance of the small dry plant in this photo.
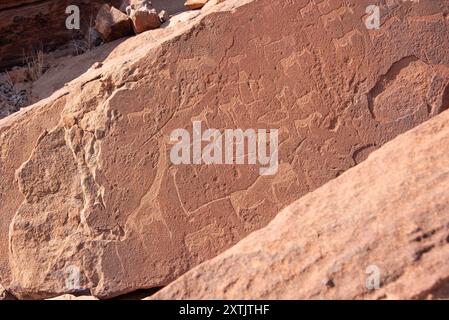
(84, 45)
(34, 63)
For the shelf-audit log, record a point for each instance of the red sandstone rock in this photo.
(143, 16)
(145, 20)
(392, 219)
(88, 191)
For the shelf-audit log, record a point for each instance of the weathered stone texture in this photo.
(108, 202)
(392, 219)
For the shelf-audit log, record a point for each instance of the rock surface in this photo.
(112, 24)
(88, 191)
(392, 219)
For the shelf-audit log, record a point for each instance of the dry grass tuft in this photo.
(34, 63)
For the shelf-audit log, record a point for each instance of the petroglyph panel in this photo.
(334, 90)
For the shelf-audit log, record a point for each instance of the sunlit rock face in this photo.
(90, 201)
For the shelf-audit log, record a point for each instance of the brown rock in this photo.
(195, 4)
(392, 219)
(143, 16)
(89, 193)
(112, 24)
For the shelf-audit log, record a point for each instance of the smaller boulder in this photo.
(195, 4)
(112, 24)
(143, 16)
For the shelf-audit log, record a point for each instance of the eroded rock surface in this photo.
(90, 200)
(390, 220)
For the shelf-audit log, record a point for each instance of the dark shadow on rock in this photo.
(138, 294)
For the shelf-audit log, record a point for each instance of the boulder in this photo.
(112, 24)
(376, 232)
(91, 200)
(143, 16)
(195, 4)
